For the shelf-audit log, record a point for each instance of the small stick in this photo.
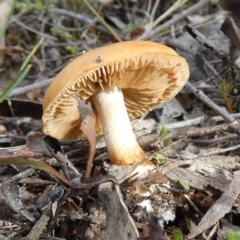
(175, 19)
(215, 140)
(211, 152)
(186, 123)
(234, 125)
(202, 96)
(197, 132)
(173, 42)
(34, 86)
(206, 43)
(196, 121)
(153, 24)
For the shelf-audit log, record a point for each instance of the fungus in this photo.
(121, 81)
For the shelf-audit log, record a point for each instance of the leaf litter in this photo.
(195, 190)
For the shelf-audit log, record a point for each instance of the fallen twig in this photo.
(176, 43)
(189, 123)
(71, 14)
(215, 140)
(14, 19)
(79, 17)
(31, 87)
(162, 17)
(202, 96)
(206, 43)
(195, 121)
(175, 19)
(213, 152)
(197, 132)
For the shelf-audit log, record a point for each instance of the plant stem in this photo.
(102, 20)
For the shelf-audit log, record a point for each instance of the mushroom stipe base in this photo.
(121, 142)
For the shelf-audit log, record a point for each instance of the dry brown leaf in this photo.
(222, 206)
(119, 222)
(196, 180)
(231, 30)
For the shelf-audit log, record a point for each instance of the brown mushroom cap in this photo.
(148, 74)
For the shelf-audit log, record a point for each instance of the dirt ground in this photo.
(58, 178)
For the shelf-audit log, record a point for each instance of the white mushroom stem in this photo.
(121, 142)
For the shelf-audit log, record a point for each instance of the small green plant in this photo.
(177, 235)
(163, 132)
(25, 6)
(183, 184)
(73, 49)
(129, 27)
(226, 88)
(233, 235)
(159, 158)
(61, 33)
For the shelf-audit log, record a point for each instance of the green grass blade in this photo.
(4, 27)
(18, 78)
(22, 72)
(31, 54)
(102, 20)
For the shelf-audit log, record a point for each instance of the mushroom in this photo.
(121, 81)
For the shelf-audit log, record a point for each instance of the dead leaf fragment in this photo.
(230, 29)
(119, 223)
(31, 162)
(232, 6)
(222, 206)
(196, 180)
(88, 126)
(10, 192)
